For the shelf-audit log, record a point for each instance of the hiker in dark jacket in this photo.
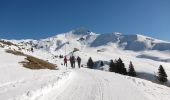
(79, 61)
(65, 61)
(73, 61)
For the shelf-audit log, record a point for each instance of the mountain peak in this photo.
(81, 31)
(117, 33)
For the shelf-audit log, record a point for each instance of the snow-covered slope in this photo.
(150, 51)
(86, 84)
(19, 83)
(131, 42)
(102, 47)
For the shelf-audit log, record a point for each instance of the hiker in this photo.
(79, 61)
(73, 61)
(65, 61)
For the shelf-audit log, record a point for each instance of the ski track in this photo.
(87, 84)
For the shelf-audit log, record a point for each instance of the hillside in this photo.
(146, 53)
(19, 83)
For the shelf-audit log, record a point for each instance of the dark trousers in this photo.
(73, 64)
(79, 63)
(65, 64)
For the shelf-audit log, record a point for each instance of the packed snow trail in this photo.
(86, 84)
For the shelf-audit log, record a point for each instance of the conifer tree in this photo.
(32, 50)
(121, 67)
(131, 71)
(101, 63)
(90, 63)
(112, 66)
(162, 76)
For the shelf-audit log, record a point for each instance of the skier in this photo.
(79, 61)
(65, 61)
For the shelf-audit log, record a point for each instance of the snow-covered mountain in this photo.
(146, 53)
(81, 37)
(19, 83)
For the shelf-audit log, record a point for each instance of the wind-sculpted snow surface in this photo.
(103, 39)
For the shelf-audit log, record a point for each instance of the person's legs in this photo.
(66, 64)
(71, 64)
(79, 64)
(74, 64)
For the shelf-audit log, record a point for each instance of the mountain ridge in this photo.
(84, 37)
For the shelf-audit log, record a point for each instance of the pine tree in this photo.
(162, 76)
(121, 67)
(131, 71)
(101, 63)
(112, 66)
(90, 63)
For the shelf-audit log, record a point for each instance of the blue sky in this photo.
(43, 18)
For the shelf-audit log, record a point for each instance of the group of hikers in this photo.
(72, 61)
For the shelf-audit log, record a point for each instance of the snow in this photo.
(78, 84)
(19, 83)
(135, 42)
(103, 39)
(95, 85)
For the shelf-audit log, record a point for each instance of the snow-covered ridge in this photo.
(82, 37)
(134, 42)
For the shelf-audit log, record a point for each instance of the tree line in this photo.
(118, 66)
